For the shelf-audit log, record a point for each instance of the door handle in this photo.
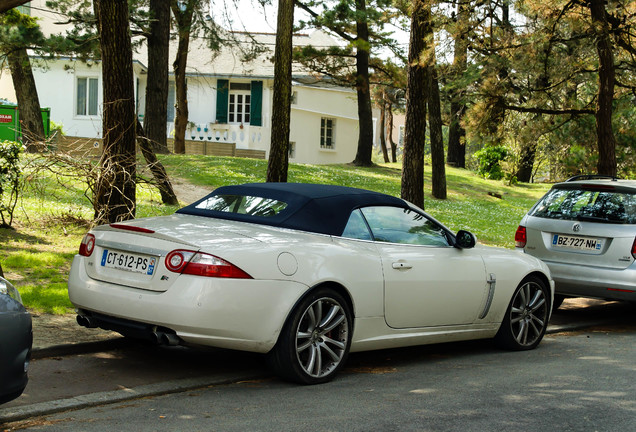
(401, 265)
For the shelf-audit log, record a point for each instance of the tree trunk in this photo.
(281, 107)
(28, 102)
(115, 191)
(158, 171)
(365, 114)
(389, 133)
(156, 113)
(607, 80)
(524, 174)
(10, 4)
(438, 166)
(1, 272)
(456, 133)
(184, 22)
(415, 128)
(385, 151)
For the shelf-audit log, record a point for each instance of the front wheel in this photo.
(527, 316)
(315, 341)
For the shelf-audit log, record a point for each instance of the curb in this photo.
(103, 398)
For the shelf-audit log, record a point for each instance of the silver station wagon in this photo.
(584, 229)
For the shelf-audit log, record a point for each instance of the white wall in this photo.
(57, 90)
(314, 103)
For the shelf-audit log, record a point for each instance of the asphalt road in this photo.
(576, 380)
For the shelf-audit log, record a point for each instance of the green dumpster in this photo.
(10, 122)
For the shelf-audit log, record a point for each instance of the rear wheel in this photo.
(527, 316)
(315, 341)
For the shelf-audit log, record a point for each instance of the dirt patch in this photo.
(52, 330)
(188, 193)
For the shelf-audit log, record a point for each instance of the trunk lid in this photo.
(125, 256)
(587, 243)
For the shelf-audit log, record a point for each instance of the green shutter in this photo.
(256, 110)
(222, 93)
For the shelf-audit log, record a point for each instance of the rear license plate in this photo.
(577, 243)
(136, 263)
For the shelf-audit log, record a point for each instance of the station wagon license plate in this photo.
(136, 263)
(578, 243)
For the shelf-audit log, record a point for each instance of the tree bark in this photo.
(385, 151)
(438, 167)
(28, 102)
(158, 171)
(412, 188)
(156, 113)
(456, 133)
(606, 83)
(524, 174)
(278, 162)
(5, 5)
(389, 133)
(365, 114)
(184, 22)
(115, 192)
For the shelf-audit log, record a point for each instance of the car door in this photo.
(427, 282)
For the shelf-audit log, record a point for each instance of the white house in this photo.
(229, 98)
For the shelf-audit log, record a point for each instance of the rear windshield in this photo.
(587, 205)
(247, 205)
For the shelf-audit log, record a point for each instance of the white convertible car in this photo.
(305, 273)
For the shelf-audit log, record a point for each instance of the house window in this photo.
(239, 102)
(327, 126)
(292, 149)
(240, 99)
(86, 103)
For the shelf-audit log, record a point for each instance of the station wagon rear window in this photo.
(587, 205)
(247, 205)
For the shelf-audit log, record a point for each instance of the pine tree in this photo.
(19, 32)
(281, 106)
(360, 24)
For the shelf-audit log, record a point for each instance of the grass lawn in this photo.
(51, 218)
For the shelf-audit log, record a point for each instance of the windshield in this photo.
(589, 205)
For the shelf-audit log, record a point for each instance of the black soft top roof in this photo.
(316, 208)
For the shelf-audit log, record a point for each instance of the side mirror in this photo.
(465, 240)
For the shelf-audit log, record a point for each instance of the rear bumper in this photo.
(587, 281)
(199, 310)
(15, 352)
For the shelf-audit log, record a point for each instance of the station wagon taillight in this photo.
(87, 246)
(202, 264)
(634, 249)
(520, 237)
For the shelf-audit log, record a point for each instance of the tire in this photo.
(526, 317)
(314, 343)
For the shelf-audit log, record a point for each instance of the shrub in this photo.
(490, 159)
(9, 180)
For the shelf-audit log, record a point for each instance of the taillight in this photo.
(634, 249)
(521, 237)
(87, 246)
(202, 264)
